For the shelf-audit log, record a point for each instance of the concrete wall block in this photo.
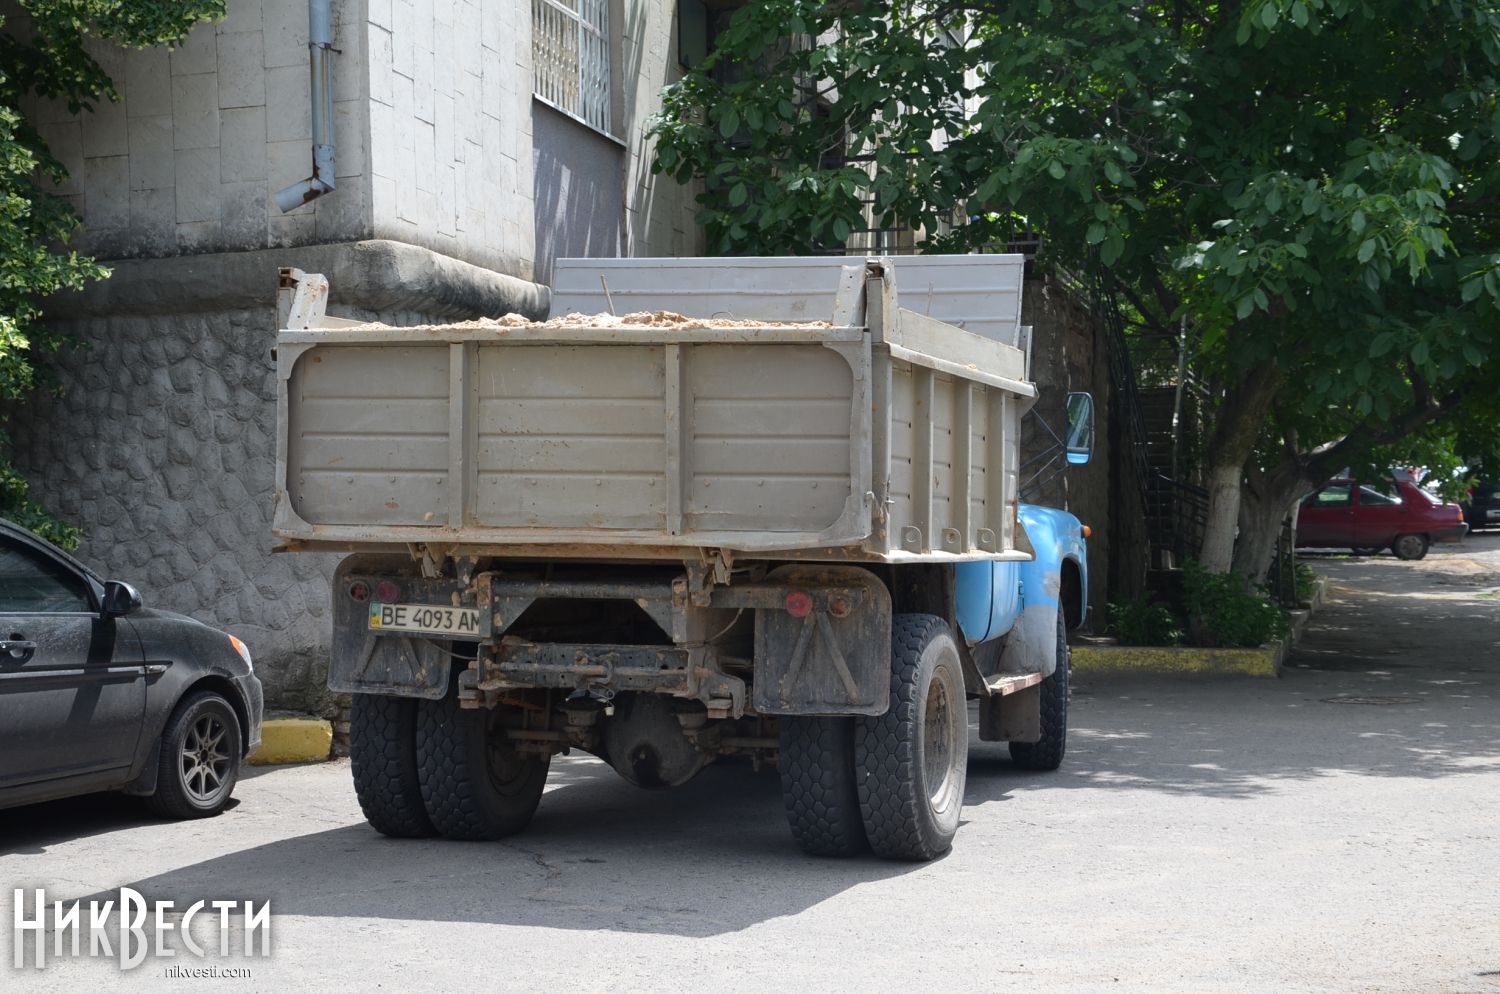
(65, 141)
(284, 24)
(407, 208)
(289, 230)
(380, 14)
(107, 204)
(404, 37)
(242, 73)
(424, 137)
(240, 15)
(342, 215)
(198, 237)
(198, 54)
(151, 162)
(147, 86)
(153, 222)
(349, 117)
(242, 144)
(195, 111)
(423, 85)
(106, 130)
(288, 104)
(405, 110)
(379, 66)
(197, 186)
(242, 215)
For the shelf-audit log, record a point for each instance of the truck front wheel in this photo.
(475, 784)
(817, 783)
(383, 757)
(1047, 752)
(911, 762)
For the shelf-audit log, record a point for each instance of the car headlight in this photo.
(244, 652)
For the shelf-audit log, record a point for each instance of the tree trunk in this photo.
(1237, 425)
(1261, 519)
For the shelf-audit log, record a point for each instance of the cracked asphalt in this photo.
(1334, 830)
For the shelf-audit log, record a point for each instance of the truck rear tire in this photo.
(383, 758)
(476, 786)
(817, 783)
(1047, 752)
(911, 762)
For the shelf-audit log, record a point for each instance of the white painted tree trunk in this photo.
(1217, 552)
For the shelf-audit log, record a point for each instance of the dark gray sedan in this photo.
(99, 693)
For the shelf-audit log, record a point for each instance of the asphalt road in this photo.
(1335, 830)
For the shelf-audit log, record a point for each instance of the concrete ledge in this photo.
(377, 274)
(293, 740)
(1099, 658)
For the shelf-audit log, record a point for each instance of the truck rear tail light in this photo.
(798, 604)
(387, 592)
(359, 590)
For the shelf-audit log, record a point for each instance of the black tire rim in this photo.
(940, 743)
(203, 761)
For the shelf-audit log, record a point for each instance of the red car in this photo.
(1362, 518)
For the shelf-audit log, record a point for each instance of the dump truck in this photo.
(711, 507)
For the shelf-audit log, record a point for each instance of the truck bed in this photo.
(876, 433)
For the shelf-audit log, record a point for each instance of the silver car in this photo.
(98, 693)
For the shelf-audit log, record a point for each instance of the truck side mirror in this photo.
(1080, 428)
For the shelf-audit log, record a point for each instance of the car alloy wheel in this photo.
(204, 760)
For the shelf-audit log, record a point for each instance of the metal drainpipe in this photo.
(320, 64)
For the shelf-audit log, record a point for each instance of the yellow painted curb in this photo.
(1178, 660)
(293, 740)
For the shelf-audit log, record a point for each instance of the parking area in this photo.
(1334, 830)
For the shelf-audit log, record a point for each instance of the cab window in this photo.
(31, 583)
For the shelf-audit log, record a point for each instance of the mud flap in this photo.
(1031, 646)
(1013, 717)
(836, 659)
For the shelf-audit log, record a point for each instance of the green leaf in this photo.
(738, 195)
(1113, 173)
(1419, 353)
(1381, 344)
(1243, 309)
(729, 124)
(1095, 234)
(1056, 169)
(1269, 15)
(1366, 250)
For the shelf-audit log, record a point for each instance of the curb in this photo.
(293, 740)
(1263, 662)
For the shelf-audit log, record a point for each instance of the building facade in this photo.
(475, 141)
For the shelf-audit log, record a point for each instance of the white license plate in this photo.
(424, 619)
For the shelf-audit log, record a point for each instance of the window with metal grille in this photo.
(570, 57)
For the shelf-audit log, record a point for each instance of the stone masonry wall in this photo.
(161, 444)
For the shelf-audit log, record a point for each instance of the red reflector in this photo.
(387, 592)
(360, 591)
(798, 604)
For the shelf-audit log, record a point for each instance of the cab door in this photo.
(72, 682)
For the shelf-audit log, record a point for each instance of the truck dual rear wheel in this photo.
(1047, 752)
(817, 783)
(383, 756)
(475, 784)
(911, 762)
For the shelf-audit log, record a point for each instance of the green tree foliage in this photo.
(1314, 184)
(43, 53)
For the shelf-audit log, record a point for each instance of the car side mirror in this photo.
(1080, 428)
(120, 599)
